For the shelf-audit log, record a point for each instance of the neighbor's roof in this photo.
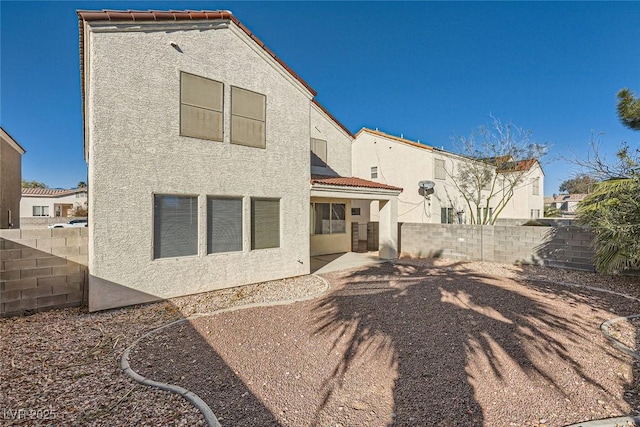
(519, 166)
(343, 181)
(560, 198)
(395, 138)
(51, 192)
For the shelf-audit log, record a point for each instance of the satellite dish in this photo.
(427, 185)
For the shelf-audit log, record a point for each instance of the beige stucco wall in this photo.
(28, 202)
(338, 144)
(10, 184)
(405, 165)
(322, 244)
(135, 151)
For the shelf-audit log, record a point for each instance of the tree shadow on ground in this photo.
(471, 349)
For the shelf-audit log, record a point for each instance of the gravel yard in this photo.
(440, 343)
(62, 367)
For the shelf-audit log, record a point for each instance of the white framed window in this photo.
(318, 152)
(446, 216)
(224, 224)
(40, 210)
(201, 102)
(535, 186)
(175, 226)
(374, 172)
(265, 223)
(329, 218)
(535, 213)
(439, 169)
(248, 118)
(484, 214)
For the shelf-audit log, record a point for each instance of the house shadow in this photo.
(457, 339)
(180, 355)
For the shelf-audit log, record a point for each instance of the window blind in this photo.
(224, 225)
(265, 223)
(175, 226)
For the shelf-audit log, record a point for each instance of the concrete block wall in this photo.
(43, 222)
(42, 269)
(565, 247)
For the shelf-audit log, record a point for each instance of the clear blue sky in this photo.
(427, 70)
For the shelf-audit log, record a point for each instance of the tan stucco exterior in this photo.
(10, 180)
(135, 151)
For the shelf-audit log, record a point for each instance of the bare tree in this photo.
(499, 157)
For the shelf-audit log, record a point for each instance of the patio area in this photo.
(412, 343)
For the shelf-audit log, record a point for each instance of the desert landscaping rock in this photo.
(415, 343)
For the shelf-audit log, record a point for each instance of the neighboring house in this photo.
(400, 162)
(10, 180)
(567, 204)
(52, 202)
(198, 141)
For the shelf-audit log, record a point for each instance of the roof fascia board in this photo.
(271, 61)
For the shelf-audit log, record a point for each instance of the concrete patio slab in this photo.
(322, 264)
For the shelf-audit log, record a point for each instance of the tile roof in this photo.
(343, 181)
(560, 198)
(396, 138)
(51, 192)
(519, 166)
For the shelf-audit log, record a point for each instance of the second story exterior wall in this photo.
(10, 180)
(338, 144)
(404, 163)
(136, 152)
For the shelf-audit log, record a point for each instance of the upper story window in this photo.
(248, 118)
(374, 172)
(535, 184)
(318, 152)
(200, 107)
(440, 172)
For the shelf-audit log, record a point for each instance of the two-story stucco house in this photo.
(10, 180)
(198, 141)
(397, 161)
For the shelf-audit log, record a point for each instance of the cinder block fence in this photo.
(561, 246)
(41, 269)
